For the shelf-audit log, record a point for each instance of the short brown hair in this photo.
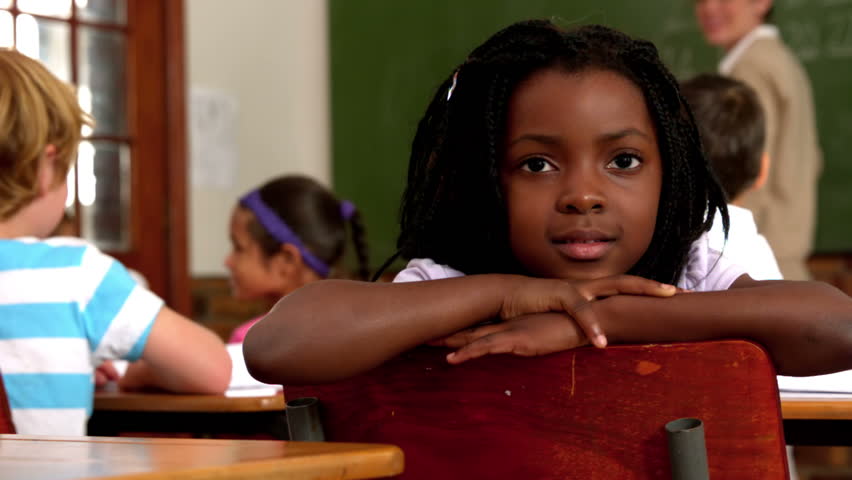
(36, 110)
(731, 124)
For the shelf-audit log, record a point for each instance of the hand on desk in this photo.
(104, 373)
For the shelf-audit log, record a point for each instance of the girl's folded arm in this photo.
(805, 326)
(336, 328)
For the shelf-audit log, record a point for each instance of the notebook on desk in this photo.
(834, 385)
(242, 383)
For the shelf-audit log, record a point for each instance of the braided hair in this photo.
(453, 209)
(313, 213)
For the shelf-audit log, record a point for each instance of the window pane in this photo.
(46, 40)
(103, 182)
(104, 11)
(52, 8)
(5, 3)
(6, 39)
(101, 82)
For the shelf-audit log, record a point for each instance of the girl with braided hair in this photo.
(557, 196)
(289, 232)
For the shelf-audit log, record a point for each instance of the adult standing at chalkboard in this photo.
(785, 210)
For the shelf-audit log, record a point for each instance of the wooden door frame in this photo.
(179, 284)
(157, 107)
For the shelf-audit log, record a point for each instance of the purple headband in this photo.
(347, 209)
(281, 232)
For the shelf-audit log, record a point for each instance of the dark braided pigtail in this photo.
(453, 209)
(689, 196)
(359, 240)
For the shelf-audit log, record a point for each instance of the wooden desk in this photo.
(170, 402)
(810, 408)
(817, 421)
(60, 458)
(116, 412)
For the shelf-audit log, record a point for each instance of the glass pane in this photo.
(51, 8)
(46, 40)
(101, 81)
(5, 3)
(6, 39)
(103, 182)
(104, 11)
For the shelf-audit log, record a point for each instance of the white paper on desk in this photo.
(806, 396)
(242, 383)
(120, 366)
(840, 382)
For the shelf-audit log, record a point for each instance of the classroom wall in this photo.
(271, 57)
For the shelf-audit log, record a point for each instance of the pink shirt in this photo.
(239, 333)
(707, 269)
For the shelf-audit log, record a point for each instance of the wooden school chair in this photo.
(6, 425)
(585, 413)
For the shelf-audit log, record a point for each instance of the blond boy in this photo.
(65, 306)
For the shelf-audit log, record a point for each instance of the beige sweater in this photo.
(785, 209)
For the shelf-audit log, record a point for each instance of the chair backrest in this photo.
(585, 413)
(6, 425)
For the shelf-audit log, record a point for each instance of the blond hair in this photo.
(36, 110)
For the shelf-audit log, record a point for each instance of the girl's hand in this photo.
(527, 336)
(535, 295)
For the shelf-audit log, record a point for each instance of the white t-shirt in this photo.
(745, 246)
(706, 270)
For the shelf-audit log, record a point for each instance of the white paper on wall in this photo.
(213, 120)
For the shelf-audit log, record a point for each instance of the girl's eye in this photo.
(536, 165)
(625, 161)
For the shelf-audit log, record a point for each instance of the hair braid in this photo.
(359, 240)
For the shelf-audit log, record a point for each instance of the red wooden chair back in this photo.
(585, 413)
(6, 425)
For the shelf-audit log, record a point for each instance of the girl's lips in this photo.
(586, 250)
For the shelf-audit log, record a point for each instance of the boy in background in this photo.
(65, 306)
(733, 133)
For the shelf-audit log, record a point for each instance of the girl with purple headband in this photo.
(289, 232)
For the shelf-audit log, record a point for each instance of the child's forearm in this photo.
(335, 328)
(138, 376)
(779, 315)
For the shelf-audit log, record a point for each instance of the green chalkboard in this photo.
(388, 56)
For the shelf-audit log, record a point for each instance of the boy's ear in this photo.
(763, 175)
(762, 7)
(46, 181)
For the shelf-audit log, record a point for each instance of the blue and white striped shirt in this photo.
(64, 308)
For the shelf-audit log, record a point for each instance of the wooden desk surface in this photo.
(169, 402)
(60, 458)
(811, 408)
(792, 408)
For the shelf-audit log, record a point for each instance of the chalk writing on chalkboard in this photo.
(804, 37)
(839, 36)
(814, 39)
